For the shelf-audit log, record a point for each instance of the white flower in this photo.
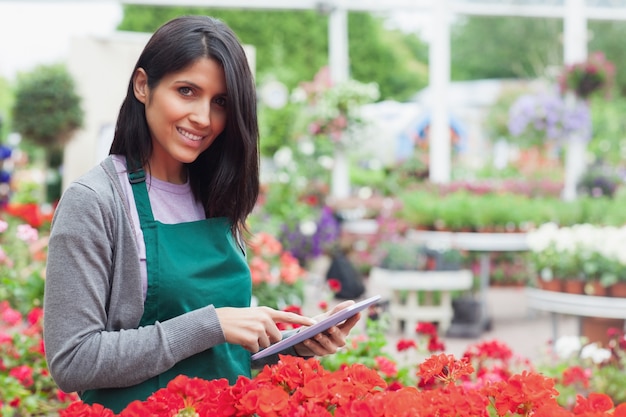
(566, 346)
(586, 241)
(308, 227)
(283, 157)
(283, 177)
(540, 239)
(597, 354)
(298, 95)
(307, 147)
(326, 162)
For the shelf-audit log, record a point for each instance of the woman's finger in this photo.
(292, 318)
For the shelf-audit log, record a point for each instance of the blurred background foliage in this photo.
(292, 46)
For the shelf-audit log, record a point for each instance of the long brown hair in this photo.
(225, 177)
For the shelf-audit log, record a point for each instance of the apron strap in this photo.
(137, 179)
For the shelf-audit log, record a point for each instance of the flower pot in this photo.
(596, 329)
(595, 288)
(466, 310)
(574, 286)
(617, 290)
(551, 285)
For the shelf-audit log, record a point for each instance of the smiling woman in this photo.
(147, 256)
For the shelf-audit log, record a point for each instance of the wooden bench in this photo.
(413, 295)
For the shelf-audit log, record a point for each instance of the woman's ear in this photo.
(140, 85)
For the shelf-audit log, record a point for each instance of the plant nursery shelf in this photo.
(483, 243)
(404, 288)
(587, 308)
(576, 304)
(477, 242)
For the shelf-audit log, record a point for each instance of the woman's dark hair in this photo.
(225, 177)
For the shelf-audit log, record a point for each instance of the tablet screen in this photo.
(308, 332)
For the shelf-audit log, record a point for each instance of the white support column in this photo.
(439, 73)
(338, 44)
(575, 50)
(338, 62)
(574, 31)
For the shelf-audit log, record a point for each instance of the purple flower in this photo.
(309, 246)
(545, 116)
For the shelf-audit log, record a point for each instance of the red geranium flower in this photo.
(24, 374)
(593, 403)
(405, 344)
(80, 409)
(575, 374)
(334, 285)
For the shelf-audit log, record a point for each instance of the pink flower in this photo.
(9, 315)
(27, 233)
(5, 338)
(260, 270)
(386, 366)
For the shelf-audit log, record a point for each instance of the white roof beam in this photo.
(455, 7)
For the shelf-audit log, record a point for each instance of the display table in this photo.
(407, 287)
(575, 305)
(476, 242)
(484, 243)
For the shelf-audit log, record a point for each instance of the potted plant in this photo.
(402, 255)
(593, 254)
(553, 255)
(587, 77)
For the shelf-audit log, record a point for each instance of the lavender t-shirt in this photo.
(171, 204)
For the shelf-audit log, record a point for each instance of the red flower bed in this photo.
(296, 387)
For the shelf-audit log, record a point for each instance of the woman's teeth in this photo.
(189, 136)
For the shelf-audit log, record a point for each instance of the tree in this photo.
(504, 47)
(46, 112)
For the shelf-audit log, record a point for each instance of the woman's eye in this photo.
(185, 91)
(220, 101)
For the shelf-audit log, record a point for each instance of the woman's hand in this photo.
(255, 328)
(328, 342)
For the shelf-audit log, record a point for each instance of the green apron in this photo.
(190, 265)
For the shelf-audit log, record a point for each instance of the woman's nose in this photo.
(201, 113)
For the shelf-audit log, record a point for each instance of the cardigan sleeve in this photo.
(93, 300)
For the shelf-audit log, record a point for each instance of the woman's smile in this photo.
(189, 135)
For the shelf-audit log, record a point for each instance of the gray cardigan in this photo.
(93, 299)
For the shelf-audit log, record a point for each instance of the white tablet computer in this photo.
(309, 332)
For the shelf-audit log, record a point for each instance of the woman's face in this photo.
(186, 111)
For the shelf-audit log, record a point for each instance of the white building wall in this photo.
(101, 67)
